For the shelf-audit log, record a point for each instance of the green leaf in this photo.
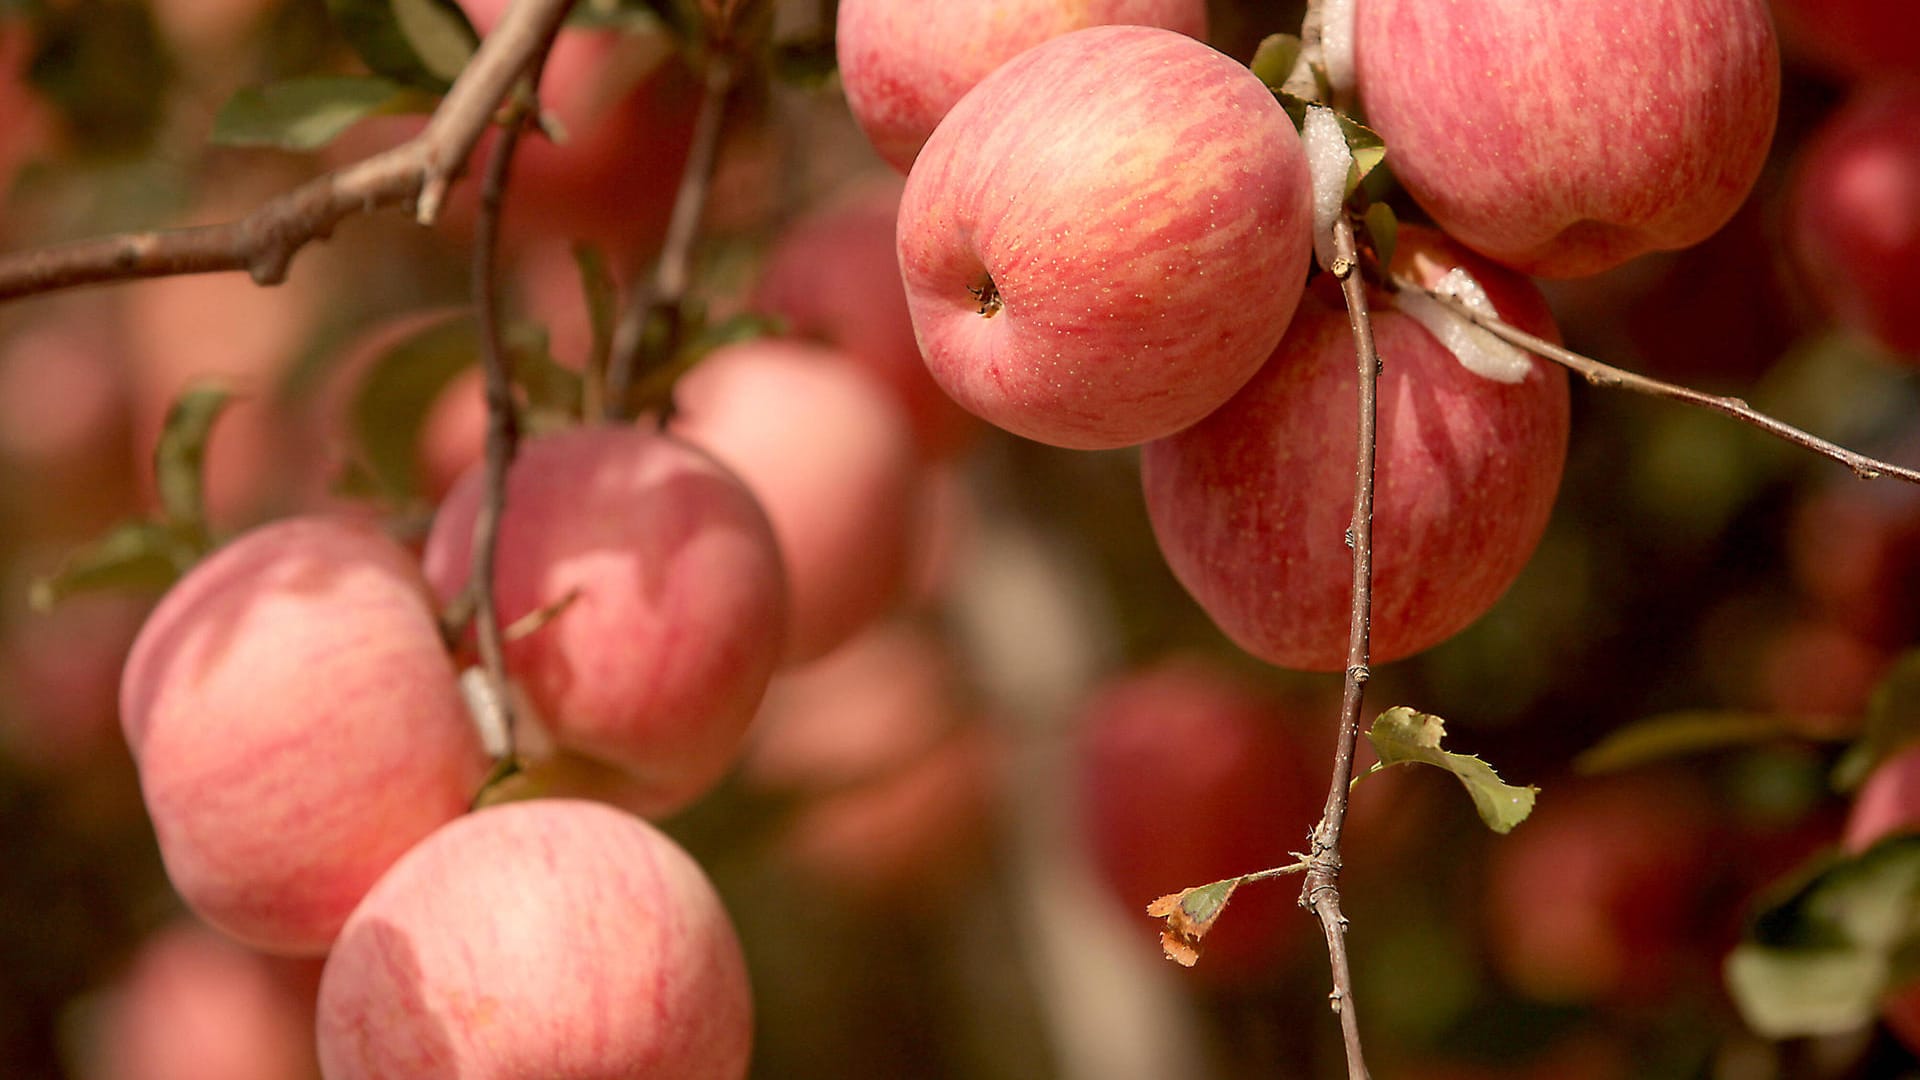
(397, 394)
(1369, 149)
(134, 555)
(1893, 721)
(304, 113)
(808, 63)
(180, 456)
(422, 43)
(1383, 228)
(1678, 734)
(1402, 735)
(549, 386)
(1274, 60)
(1819, 960)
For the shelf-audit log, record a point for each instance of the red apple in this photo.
(1105, 237)
(1563, 137)
(553, 938)
(1855, 37)
(293, 714)
(894, 780)
(835, 276)
(678, 606)
(904, 63)
(1185, 774)
(1855, 552)
(1597, 895)
(1251, 505)
(195, 1006)
(1853, 220)
(830, 455)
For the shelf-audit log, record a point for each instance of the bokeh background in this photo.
(940, 848)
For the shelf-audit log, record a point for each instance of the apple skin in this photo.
(1251, 505)
(1185, 774)
(830, 455)
(1140, 204)
(196, 1006)
(659, 661)
(834, 276)
(1853, 217)
(1564, 137)
(294, 718)
(554, 937)
(1858, 38)
(904, 63)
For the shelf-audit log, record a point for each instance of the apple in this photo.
(894, 778)
(1564, 137)
(196, 1006)
(1854, 551)
(1105, 237)
(61, 670)
(626, 106)
(678, 608)
(65, 417)
(1185, 774)
(1251, 505)
(1597, 896)
(1853, 217)
(1860, 38)
(553, 937)
(294, 718)
(904, 63)
(830, 455)
(834, 276)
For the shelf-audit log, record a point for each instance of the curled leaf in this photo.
(1190, 913)
(1403, 735)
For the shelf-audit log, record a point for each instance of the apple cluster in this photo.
(1104, 239)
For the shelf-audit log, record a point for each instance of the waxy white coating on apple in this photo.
(1105, 238)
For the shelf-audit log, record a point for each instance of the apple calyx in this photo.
(989, 296)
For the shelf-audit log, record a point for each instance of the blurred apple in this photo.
(62, 671)
(1854, 551)
(1857, 38)
(894, 777)
(64, 417)
(196, 1006)
(1184, 774)
(1853, 220)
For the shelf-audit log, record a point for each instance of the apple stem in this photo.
(503, 428)
(264, 242)
(1606, 375)
(659, 303)
(1320, 892)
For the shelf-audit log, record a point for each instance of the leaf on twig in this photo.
(180, 457)
(142, 555)
(308, 113)
(1274, 60)
(1383, 229)
(1819, 960)
(1402, 735)
(1190, 913)
(422, 43)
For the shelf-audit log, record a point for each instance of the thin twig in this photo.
(664, 296)
(1321, 889)
(263, 243)
(503, 427)
(1606, 375)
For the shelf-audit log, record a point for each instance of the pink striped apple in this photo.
(668, 600)
(905, 62)
(1563, 137)
(554, 938)
(1251, 505)
(1106, 237)
(294, 717)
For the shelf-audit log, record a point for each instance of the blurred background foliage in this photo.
(949, 926)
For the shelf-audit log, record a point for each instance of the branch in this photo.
(1606, 375)
(1321, 889)
(418, 172)
(667, 292)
